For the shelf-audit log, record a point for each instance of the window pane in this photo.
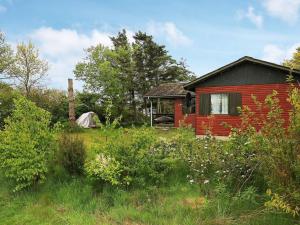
(219, 104)
(224, 103)
(215, 104)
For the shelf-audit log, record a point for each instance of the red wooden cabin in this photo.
(213, 98)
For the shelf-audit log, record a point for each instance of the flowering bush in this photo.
(103, 169)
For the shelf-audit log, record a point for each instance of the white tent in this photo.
(86, 120)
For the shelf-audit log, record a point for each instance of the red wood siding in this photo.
(260, 91)
(179, 117)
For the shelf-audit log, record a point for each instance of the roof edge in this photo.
(245, 58)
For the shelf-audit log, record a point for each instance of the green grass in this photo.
(72, 200)
(75, 202)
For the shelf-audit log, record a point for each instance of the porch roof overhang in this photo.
(168, 91)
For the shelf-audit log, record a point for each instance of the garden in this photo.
(58, 174)
(124, 171)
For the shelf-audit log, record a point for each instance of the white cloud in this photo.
(63, 48)
(66, 41)
(286, 10)
(2, 9)
(276, 54)
(250, 14)
(273, 53)
(169, 31)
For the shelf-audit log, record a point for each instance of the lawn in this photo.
(72, 200)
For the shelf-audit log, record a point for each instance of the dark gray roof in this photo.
(167, 90)
(191, 85)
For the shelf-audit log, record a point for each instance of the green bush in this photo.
(71, 153)
(139, 162)
(27, 144)
(265, 159)
(7, 94)
(103, 169)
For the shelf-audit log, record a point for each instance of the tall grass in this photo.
(64, 199)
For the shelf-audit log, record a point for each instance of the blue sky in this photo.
(207, 34)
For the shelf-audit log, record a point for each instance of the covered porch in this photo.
(168, 103)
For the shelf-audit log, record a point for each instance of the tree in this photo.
(154, 65)
(28, 69)
(125, 72)
(6, 56)
(124, 56)
(294, 63)
(52, 100)
(7, 94)
(101, 74)
(27, 144)
(86, 102)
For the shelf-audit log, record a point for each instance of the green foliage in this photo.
(28, 68)
(103, 169)
(294, 62)
(88, 102)
(71, 153)
(6, 56)
(26, 145)
(53, 101)
(268, 158)
(138, 162)
(7, 94)
(110, 122)
(125, 72)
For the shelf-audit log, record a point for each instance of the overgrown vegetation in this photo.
(27, 145)
(141, 175)
(71, 153)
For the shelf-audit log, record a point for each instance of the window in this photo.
(219, 103)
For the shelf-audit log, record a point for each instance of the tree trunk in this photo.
(71, 102)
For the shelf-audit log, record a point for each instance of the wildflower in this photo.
(191, 181)
(206, 182)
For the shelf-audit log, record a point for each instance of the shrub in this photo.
(7, 94)
(71, 153)
(268, 158)
(141, 161)
(26, 144)
(103, 169)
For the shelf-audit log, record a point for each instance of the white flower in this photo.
(206, 182)
(191, 181)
